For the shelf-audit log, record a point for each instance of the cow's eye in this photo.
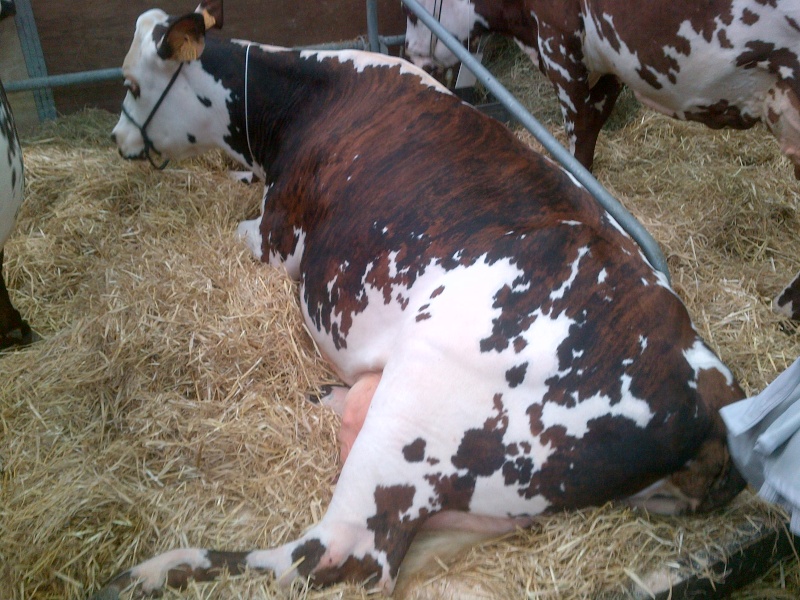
(132, 87)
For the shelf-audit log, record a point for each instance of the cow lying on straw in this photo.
(506, 348)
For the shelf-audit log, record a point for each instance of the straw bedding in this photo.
(167, 403)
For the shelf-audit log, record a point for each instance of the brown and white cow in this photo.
(13, 329)
(724, 63)
(493, 325)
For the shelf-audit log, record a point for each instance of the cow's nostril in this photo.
(114, 137)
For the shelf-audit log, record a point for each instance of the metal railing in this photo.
(115, 74)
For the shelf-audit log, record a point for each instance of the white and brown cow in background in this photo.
(724, 63)
(13, 329)
(507, 349)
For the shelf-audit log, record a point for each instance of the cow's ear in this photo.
(183, 39)
(212, 13)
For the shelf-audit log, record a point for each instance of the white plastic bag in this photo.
(764, 440)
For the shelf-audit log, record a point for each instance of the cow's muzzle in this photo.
(140, 156)
(149, 147)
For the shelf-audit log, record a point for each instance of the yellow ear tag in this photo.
(209, 20)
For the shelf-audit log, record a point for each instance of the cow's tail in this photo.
(710, 479)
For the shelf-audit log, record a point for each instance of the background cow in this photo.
(727, 63)
(13, 330)
(494, 327)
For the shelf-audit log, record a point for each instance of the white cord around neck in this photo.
(246, 111)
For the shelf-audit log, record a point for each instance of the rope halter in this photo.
(148, 143)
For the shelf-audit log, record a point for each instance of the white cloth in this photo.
(764, 440)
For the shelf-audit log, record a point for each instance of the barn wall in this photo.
(95, 34)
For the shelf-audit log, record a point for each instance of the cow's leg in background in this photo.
(782, 118)
(13, 330)
(594, 114)
(585, 107)
(7, 9)
(247, 177)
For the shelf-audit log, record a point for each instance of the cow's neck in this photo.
(260, 112)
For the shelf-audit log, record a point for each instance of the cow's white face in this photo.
(427, 51)
(187, 121)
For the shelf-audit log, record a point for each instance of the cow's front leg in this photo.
(250, 232)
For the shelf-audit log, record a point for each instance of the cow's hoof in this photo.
(107, 593)
(121, 583)
(247, 177)
(19, 337)
(320, 395)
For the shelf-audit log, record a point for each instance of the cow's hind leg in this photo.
(788, 301)
(331, 552)
(374, 514)
(13, 330)
(591, 114)
(584, 106)
(173, 569)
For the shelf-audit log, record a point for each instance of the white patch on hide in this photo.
(363, 60)
(576, 419)
(700, 357)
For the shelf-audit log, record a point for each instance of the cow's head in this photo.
(163, 115)
(456, 16)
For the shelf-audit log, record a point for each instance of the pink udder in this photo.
(356, 405)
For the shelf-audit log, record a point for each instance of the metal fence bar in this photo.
(103, 75)
(53, 81)
(627, 221)
(359, 44)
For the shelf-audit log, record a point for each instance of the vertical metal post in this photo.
(372, 26)
(34, 58)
